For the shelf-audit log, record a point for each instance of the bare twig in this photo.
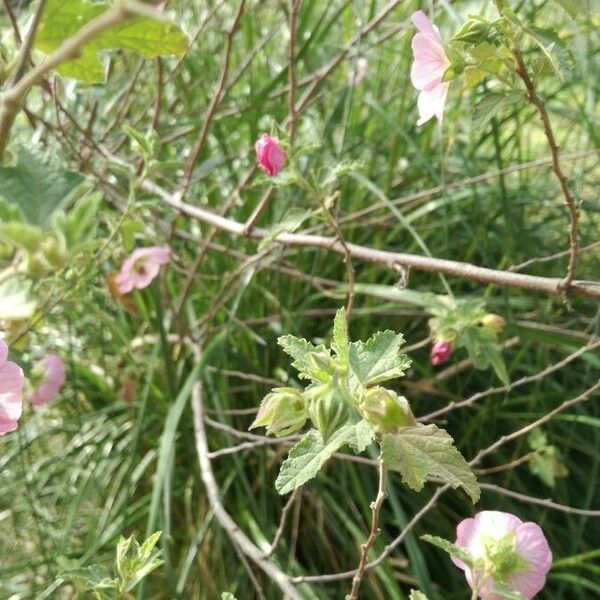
(13, 21)
(238, 538)
(282, 521)
(549, 285)
(25, 51)
(366, 546)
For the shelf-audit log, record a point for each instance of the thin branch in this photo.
(13, 21)
(282, 521)
(548, 285)
(556, 166)
(25, 51)
(237, 537)
(364, 549)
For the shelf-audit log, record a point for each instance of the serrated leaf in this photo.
(450, 548)
(148, 37)
(483, 348)
(553, 48)
(416, 595)
(363, 436)
(491, 104)
(37, 186)
(422, 450)
(308, 456)
(340, 335)
(290, 222)
(311, 362)
(379, 358)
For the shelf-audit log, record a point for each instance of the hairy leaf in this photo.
(311, 362)
(491, 104)
(340, 335)
(379, 358)
(308, 456)
(423, 450)
(450, 548)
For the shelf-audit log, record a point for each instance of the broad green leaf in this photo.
(553, 48)
(483, 348)
(311, 362)
(450, 548)
(379, 358)
(308, 456)
(148, 37)
(15, 301)
(491, 103)
(423, 450)
(37, 186)
(416, 595)
(363, 436)
(340, 335)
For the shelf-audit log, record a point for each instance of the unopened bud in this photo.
(474, 31)
(282, 412)
(327, 409)
(385, 410)
(494, 322)
(441, 352)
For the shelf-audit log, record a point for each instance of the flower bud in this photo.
(327, 409)
(269, 154)
(474, 31)
(282, 412)
(385, 410)
(494, 322)
(441, 352)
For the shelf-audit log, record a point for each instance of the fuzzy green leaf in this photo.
(423, 450)
(553, 48)
(491, 104)
(308, 456)
(311, 362)
(379, 358)
(37, 186)
(148, 37)
(340, 335)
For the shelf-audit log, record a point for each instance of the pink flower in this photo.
(140, 269)
(427, 72)
(12, 381)
(53, 378)
(522, 563)
(358, 72)
(441, 352)
(269, 154)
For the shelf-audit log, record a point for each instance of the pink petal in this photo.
(3, 351)
(55, 377)
(431, 103)
(423, 24)
(430, 62)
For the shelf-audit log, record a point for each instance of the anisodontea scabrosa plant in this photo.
(505, 552)
(141, 268)
(427, 72)
(12, 382)
(270, 154)
(441, 351)
(51, 375)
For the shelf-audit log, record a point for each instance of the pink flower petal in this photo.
(141, 268)
(431, 103)
(422, 23)
(54, 379)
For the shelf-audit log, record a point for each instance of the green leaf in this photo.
(311, 362)
(450, 548)
(416, 595)
(148, 37)
(37, 186)
(491, 104)
(290, 222)
(15, 301)
(308, 456)
(422, 450)
(340, 335)
(363, 436)
(483, 348)
(379, 358)
(553, 48)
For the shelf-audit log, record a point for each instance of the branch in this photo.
(237, 537)
(364, 549)
(548, 285)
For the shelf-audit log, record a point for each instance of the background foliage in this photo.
(116, 455)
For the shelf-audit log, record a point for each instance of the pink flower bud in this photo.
(506, 551)
(269, 154)
(441, 352)
(53, 373)
(12, 381)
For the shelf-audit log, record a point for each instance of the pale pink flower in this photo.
(533, 560)
(12, 381)
(269, 154)
(441, 351)
(358, 71)
(427, 72)
(142, 266)
(53, 374)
